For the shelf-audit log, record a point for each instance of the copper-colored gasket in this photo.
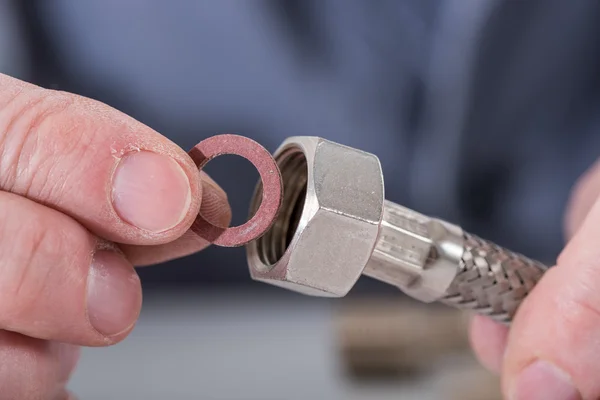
(272, 186)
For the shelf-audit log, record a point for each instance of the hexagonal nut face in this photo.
(338, 226)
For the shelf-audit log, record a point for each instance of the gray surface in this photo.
(228, 346)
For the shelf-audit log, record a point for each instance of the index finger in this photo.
(119, 178)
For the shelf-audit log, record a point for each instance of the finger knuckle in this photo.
(35, 252)
(23, 280)
(581, 298)
(33, 128)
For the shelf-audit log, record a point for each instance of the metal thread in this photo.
(294, 172)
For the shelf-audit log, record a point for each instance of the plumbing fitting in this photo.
(335, 225)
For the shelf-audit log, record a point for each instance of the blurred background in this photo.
(482, 112)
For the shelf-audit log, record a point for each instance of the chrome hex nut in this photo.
(329, 221)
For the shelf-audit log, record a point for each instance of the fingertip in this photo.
(488, 339)
(119, 178)
(214, 205)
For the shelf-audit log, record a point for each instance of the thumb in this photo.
(120, 179)
(553, 349)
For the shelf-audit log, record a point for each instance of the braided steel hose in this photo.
(492, 280)
(484, 277)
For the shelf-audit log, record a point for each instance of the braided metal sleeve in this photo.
(492, 280)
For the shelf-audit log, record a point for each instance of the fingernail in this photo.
(114, 294)
(544, 381)
(151, 191)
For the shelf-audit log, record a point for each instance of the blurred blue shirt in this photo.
(482, 112)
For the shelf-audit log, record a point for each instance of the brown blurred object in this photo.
(387, 338)
(394, 339)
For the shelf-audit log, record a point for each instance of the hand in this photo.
(86, 193)
(552, 350)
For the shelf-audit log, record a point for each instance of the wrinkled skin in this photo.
(82, 188)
